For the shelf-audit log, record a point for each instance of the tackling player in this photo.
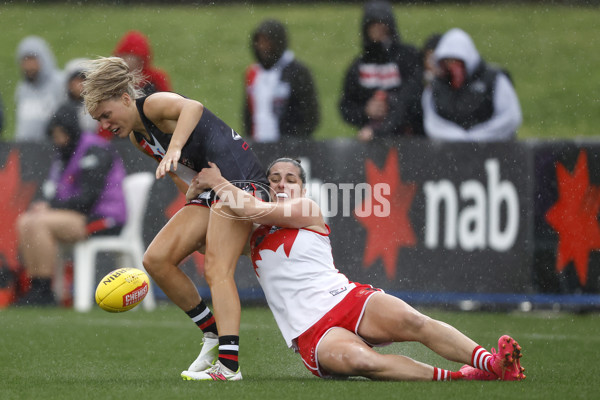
(331, 321)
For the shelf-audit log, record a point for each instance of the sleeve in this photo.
(303, 110)
(507, 115)
(352, 104)
(94, 166)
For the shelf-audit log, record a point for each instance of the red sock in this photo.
(481, 359)
(445, 375)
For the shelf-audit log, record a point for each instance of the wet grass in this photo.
(550, 50)
(60, 354)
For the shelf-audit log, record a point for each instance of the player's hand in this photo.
(377, 106)
(168, 163)
(209, 177)
(194, 190)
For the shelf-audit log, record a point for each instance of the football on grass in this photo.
(122, 289)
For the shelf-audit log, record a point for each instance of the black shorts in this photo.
(208, 197)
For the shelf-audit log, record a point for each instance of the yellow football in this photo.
(122, 289)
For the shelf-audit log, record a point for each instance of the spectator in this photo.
(470, 100)
(381, 83)
(134, 48)
(83, 196)
(39, 93)
(75, 75)
(281, 100)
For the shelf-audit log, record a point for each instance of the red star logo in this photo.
(386, 234)
(15, 197)
(171, 210)
(575, 217)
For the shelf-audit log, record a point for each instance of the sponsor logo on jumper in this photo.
(338, 291)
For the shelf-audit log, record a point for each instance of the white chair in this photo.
(129, 244)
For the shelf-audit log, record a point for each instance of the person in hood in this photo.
(134, 48)
(382, 84)
(281, 99)
(40, 91)
(82, 196)
(75, 76)
(469, 100)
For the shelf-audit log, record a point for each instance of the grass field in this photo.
(60, 354)
(551, 50)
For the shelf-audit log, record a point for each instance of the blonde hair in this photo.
(109, 78)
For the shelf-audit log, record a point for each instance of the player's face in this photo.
(284, 177)
(115, 115)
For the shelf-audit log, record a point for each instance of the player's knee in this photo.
(217, 268)
(25, 223)
(154, 262)
(413, 320)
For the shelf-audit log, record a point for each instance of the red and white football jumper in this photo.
(296, 272)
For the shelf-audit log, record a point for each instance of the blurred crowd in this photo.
(442, 90)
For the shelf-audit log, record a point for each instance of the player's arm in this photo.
(292, 213)
(173, 113)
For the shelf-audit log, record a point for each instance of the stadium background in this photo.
(549, 47)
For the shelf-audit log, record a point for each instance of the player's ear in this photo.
(303, 191)
(126, 99)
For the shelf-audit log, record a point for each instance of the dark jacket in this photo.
(394, 67)
(285, 104)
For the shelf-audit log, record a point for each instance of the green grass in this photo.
(60, 354)
(551, 51)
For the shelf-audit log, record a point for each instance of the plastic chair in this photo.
(129, 244)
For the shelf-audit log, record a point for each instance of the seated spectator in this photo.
(39, 93)
(281, 100)
(75, 75)
(83, 196)
(134, 48)
(382, 83)
(470, 100)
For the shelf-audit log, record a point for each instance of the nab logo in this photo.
(490, 218)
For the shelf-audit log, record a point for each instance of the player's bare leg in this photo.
(389, 319)
(225, 241)
(341, 352)
(181, 236)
